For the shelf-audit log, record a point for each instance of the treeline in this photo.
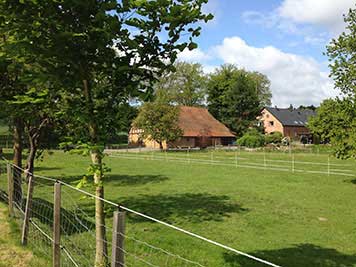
(232, 95)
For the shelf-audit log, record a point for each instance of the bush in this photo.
(251, 139)
(273, 138)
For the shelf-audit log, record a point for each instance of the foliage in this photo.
(335, 123)
(336, 119)
(342, 55)
(159, 122)
(262, 85)
(233, 98)
(98, 54)
(310, 107)
(273, 138)
(185, 85)
(252, 139)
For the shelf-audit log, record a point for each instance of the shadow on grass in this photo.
(306, 255)
(119, 180)
(7, 155)
(189, 207)
(353, 181)
(134, 179)
(71, 222)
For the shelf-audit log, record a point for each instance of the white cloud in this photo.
(316, 21)
(196, 55)
(294, 79)
(326, 13)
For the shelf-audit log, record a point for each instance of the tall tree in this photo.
(342, 57)
(262, 85)
(336, 119)
(233, 97)
(10, 85)
(185, 85)
(21, 97)
(159, 122)
(335, 123)
(102, 52)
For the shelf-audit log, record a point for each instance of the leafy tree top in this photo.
(158, 122)
(342, 56)
(186, 85)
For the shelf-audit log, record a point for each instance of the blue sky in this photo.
(284, 39)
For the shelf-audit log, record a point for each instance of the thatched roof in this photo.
(195, 121)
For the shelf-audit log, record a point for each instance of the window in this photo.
(271, 123)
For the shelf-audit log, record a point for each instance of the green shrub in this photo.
(273, 138)
(251, 139)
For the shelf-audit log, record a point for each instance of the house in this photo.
(200, 129)
(291, 122)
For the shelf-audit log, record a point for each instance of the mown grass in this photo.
(291, 219)
(11, 252)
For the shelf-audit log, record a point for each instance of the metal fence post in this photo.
(27, 211)
(57, 225)
(10, 187)
(118, 238)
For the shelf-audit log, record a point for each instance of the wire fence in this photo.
(260, 160)
(58, 221)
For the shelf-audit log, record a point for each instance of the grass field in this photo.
(261, 207)
(11, 252)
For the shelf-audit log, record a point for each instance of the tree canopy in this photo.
(185, 85)
(235, 96)
(98, 55)
(336, 118)
(159, 122)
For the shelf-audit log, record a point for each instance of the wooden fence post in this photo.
(118, 238)
(10, 187)
(57, 225)
(27, 211)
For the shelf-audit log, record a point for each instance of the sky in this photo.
(283, 39)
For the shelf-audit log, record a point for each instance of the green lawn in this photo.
(11, 252)
(259, 206)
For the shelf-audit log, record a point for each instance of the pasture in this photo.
(293, 209)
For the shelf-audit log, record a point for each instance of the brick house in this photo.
(200, 129)
(290, 122)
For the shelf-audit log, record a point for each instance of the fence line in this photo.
(259, 166)
(227, 156)
(42, 211)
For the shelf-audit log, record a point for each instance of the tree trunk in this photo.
(160, 145)
(100, 230)
(17, 159)
(30, 165)
(96, 158)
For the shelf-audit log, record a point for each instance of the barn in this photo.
(200, 130)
